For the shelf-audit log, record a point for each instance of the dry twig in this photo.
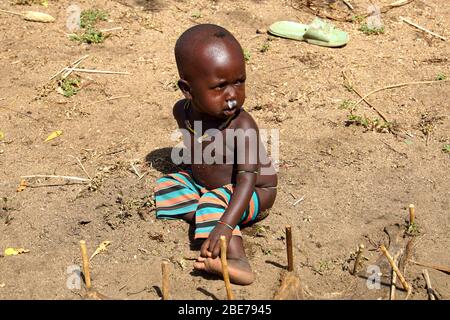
(428, 282)
(397, 86)
(226, 276)
(97, 71)
(405, 284)
(422, 28)
(53, 176)
(73, 64)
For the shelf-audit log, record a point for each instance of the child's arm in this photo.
(246, 148)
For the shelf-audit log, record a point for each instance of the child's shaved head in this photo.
(190, 47)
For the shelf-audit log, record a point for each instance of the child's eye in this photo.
(220, 86)
(240, 81)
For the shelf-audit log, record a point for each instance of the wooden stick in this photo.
(362, 98)
(422, 28)
(136, 171)
(52, 176)
(394, 278)
(411, 214)
(399, 274)
(16, 13)
(109, 99)
(165, 280)
(299, 200)
(428, 282)
(82, 167)
(290, 254)
(358, 258)
(112, 29)
(99, 71)
(433, 266)
(226, 276)
(70, 65)
(84, 256)
(348, 4)
(397, 86)
(73, 65)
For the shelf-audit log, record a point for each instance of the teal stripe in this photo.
(207, 210)
(175, 194)
(255, 199)
(186, 181)
(179, 211)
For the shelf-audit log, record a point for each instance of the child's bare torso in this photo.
(214, 165)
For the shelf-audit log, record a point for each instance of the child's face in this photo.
(218, 79)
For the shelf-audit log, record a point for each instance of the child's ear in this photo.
(185, 88)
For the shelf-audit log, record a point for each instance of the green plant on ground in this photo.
(441, 76)
(369, 30)
(89, 17)
(446, 148)
(196, 14)
(375, 124)
(265, 47)
(413, 229)
(358, 18)
(69, 86)
(322, 266)
(247, 54)
(91, 35)
(347, 104)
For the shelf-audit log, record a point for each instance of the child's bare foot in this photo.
(239, 269)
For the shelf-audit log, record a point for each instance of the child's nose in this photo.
(230, 93)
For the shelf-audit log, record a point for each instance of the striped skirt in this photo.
(178, 194)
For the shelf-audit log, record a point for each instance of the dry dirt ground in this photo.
(355, 179)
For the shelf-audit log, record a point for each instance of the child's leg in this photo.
(176, 196)
(211, 207)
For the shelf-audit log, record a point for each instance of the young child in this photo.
(221, 190)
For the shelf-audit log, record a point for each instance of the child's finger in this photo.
(216, 251)
(212, 247)
(204, 249)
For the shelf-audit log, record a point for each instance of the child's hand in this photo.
(211, 247)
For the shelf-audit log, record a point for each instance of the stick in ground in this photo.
(399, 274)
(165, 280)
(411, 214)
(226, 276)
(84, 257)
(358, 258)
(290, 254)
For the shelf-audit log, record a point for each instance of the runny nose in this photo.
(232, 103)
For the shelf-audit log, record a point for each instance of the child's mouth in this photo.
(231, 107)
(230, 112)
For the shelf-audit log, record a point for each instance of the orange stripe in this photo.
(209, 217)
(201, 235)
(165, 184)
(205, 235)
(251, 211)
(180, 180)
(211, 200)
(223, 194)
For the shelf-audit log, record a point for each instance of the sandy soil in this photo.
(355, 180)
